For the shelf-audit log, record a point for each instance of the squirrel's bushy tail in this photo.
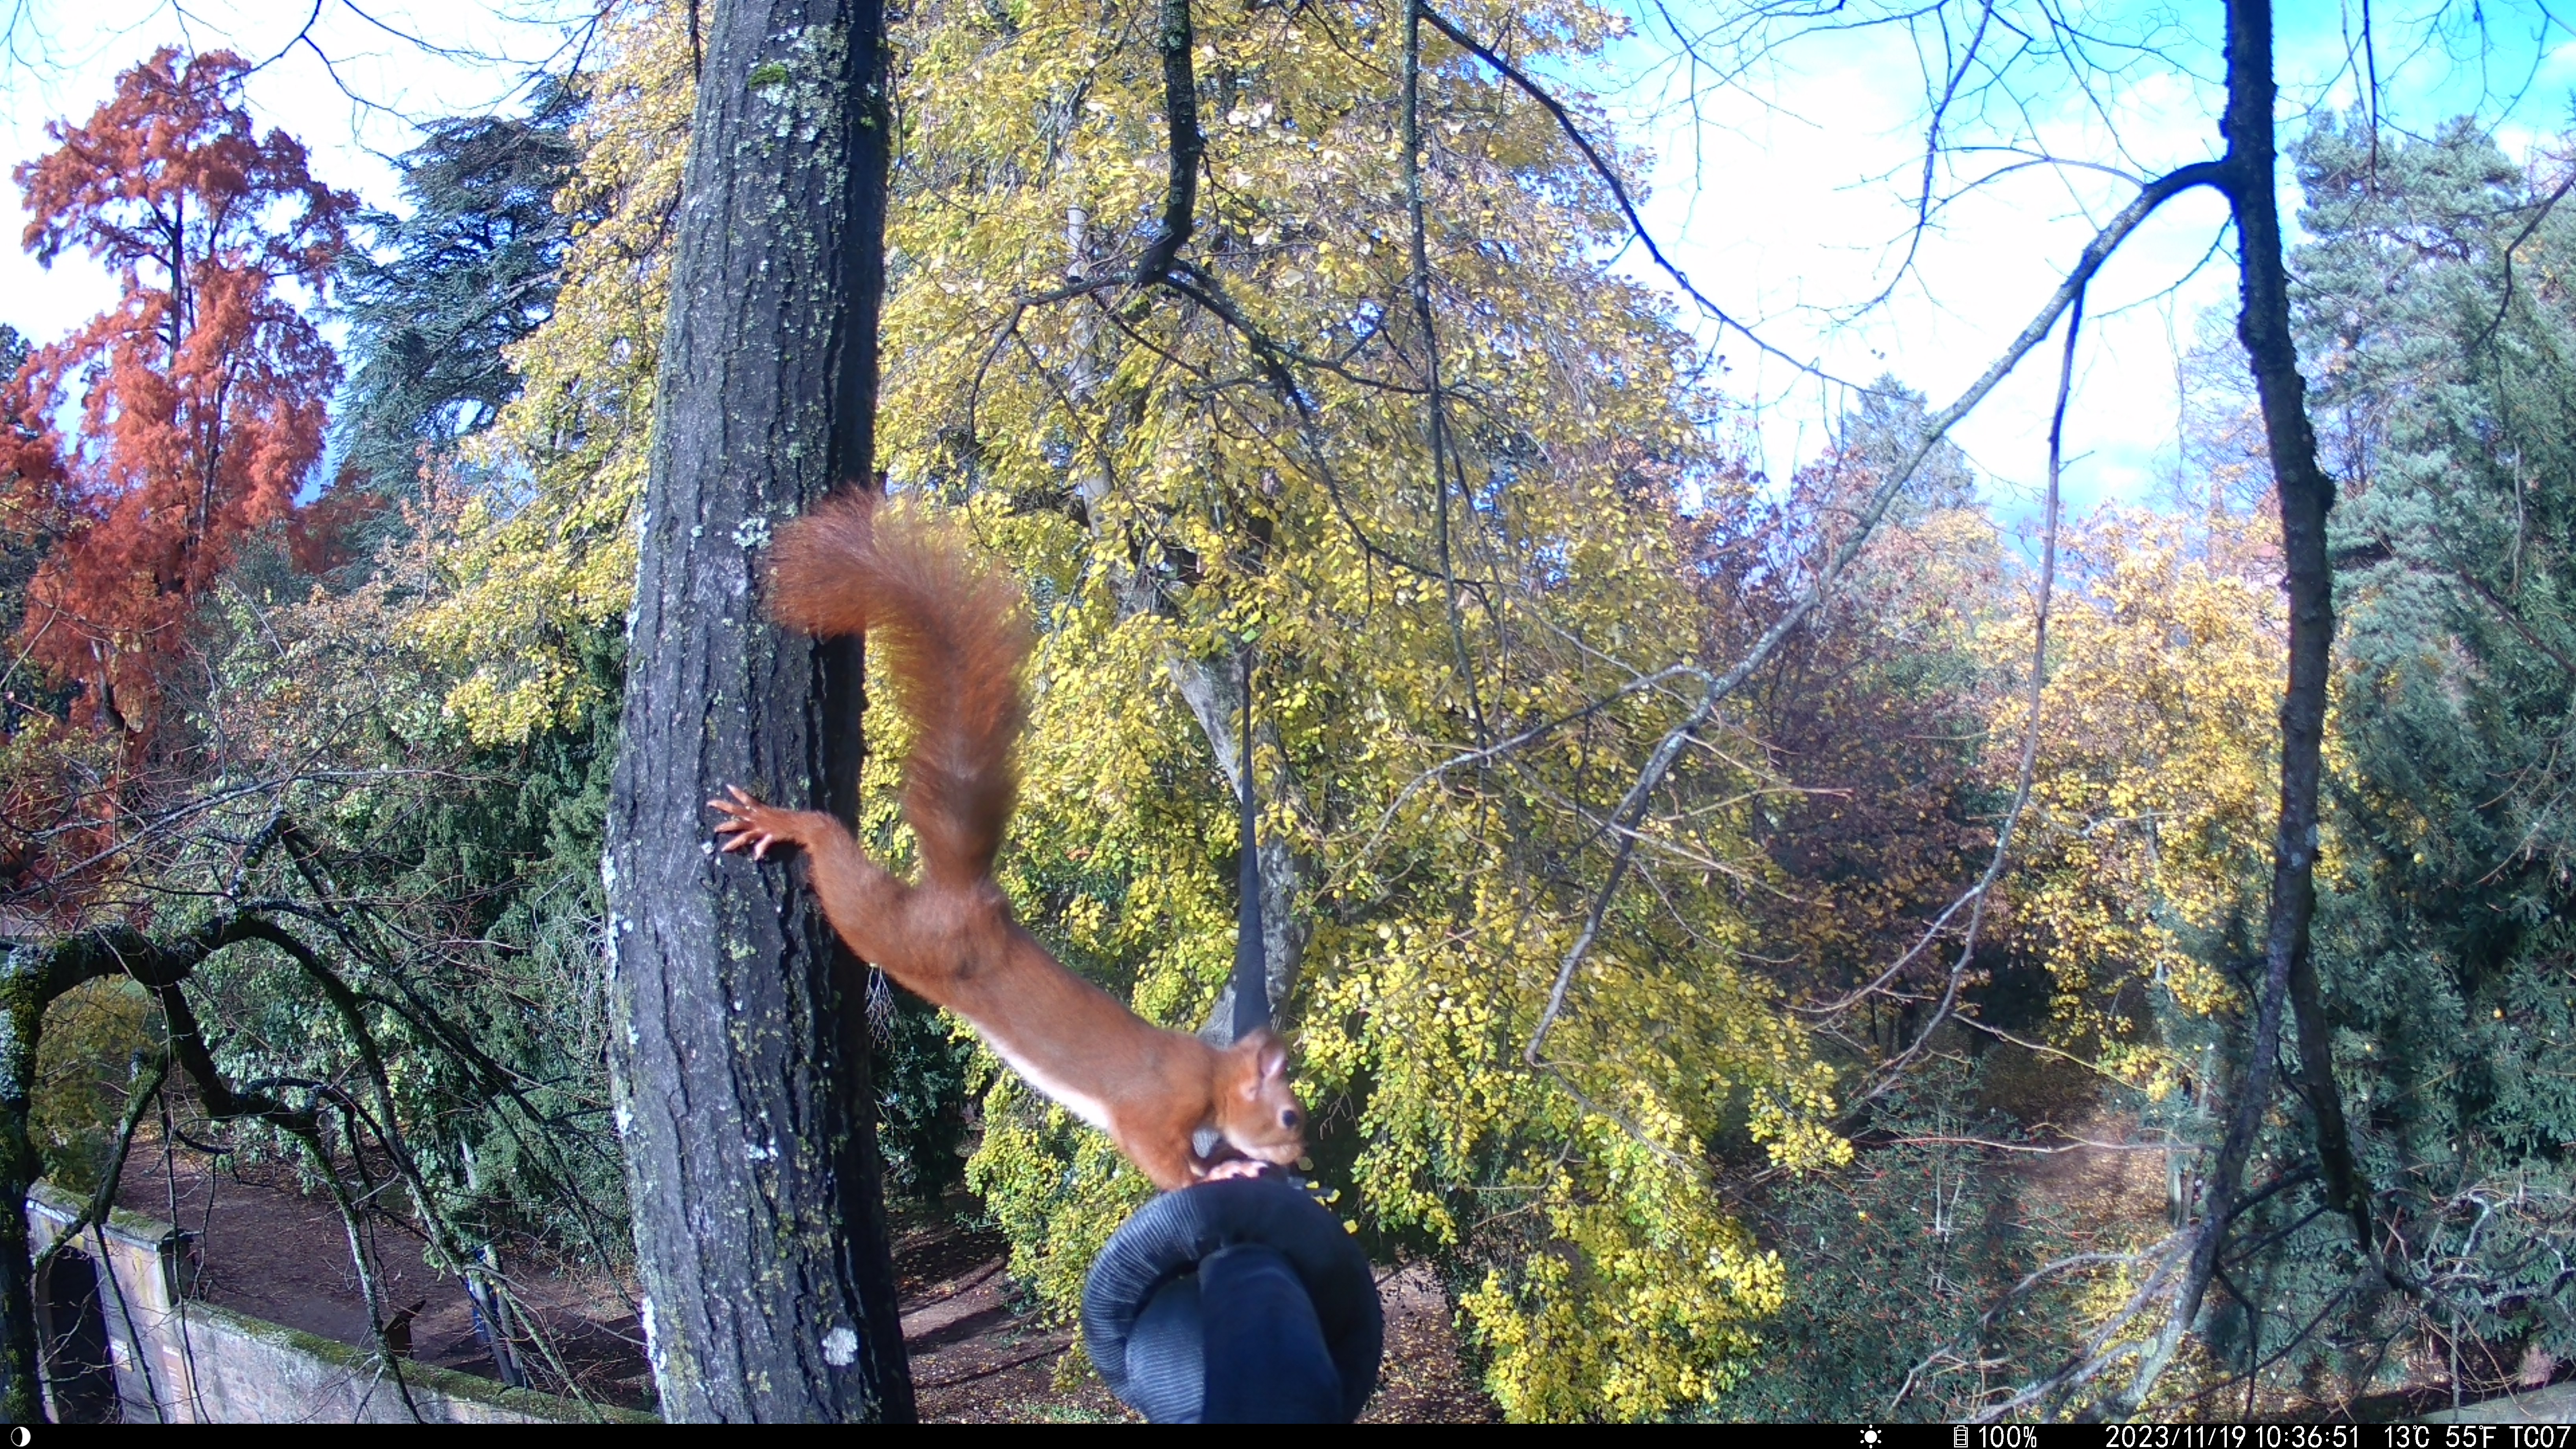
(952, 638)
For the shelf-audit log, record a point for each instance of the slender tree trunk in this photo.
(2307, 496)
(32, 975)
(1213, 689)
(22, 1014)
(1214, 692)
(741, 1060)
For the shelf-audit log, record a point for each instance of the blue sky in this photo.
(1789, 199)
(67, 56)
(1784, 196)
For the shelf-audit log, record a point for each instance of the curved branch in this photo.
(2097, 251)
(1609, 178)
(2154, 194)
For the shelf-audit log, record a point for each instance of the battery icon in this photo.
(1958, 1436)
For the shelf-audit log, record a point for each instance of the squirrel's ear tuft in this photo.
(1274, 1061)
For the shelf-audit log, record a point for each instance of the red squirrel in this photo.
(952, 640)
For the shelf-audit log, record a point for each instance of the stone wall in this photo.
(2553, 1405)
(132, 1343)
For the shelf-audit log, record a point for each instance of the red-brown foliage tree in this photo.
(1870, 718)
(202, 393)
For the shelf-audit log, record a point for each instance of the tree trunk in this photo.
(1212, 688)
(2307, 496)
(32, 975)
(741, 1065)
(22, 1014)
(1214, 692)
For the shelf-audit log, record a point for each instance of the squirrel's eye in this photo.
(1288, 1118)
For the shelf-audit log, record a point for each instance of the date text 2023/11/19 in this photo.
(2213, 1436)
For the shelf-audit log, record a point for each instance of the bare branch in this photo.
(101, 1202)
(1981, 893)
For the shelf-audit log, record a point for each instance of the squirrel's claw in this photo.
(741, 825)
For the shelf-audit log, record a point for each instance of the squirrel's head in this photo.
(1256, 1111)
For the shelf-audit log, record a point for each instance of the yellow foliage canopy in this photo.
(1167, 503)
(1130, 453)
(2148, 838)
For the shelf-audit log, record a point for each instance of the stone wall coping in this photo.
(2555, 1404)
(447, 1382)
(143, 1232)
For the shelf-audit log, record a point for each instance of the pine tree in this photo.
(444, 290)
(2448, 347)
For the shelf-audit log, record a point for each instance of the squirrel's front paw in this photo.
(1233, 1167)
(748, 822)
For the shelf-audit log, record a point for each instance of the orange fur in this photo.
(953, 641)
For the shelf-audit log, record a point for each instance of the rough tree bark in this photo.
(741, 1062)
(24, 990)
